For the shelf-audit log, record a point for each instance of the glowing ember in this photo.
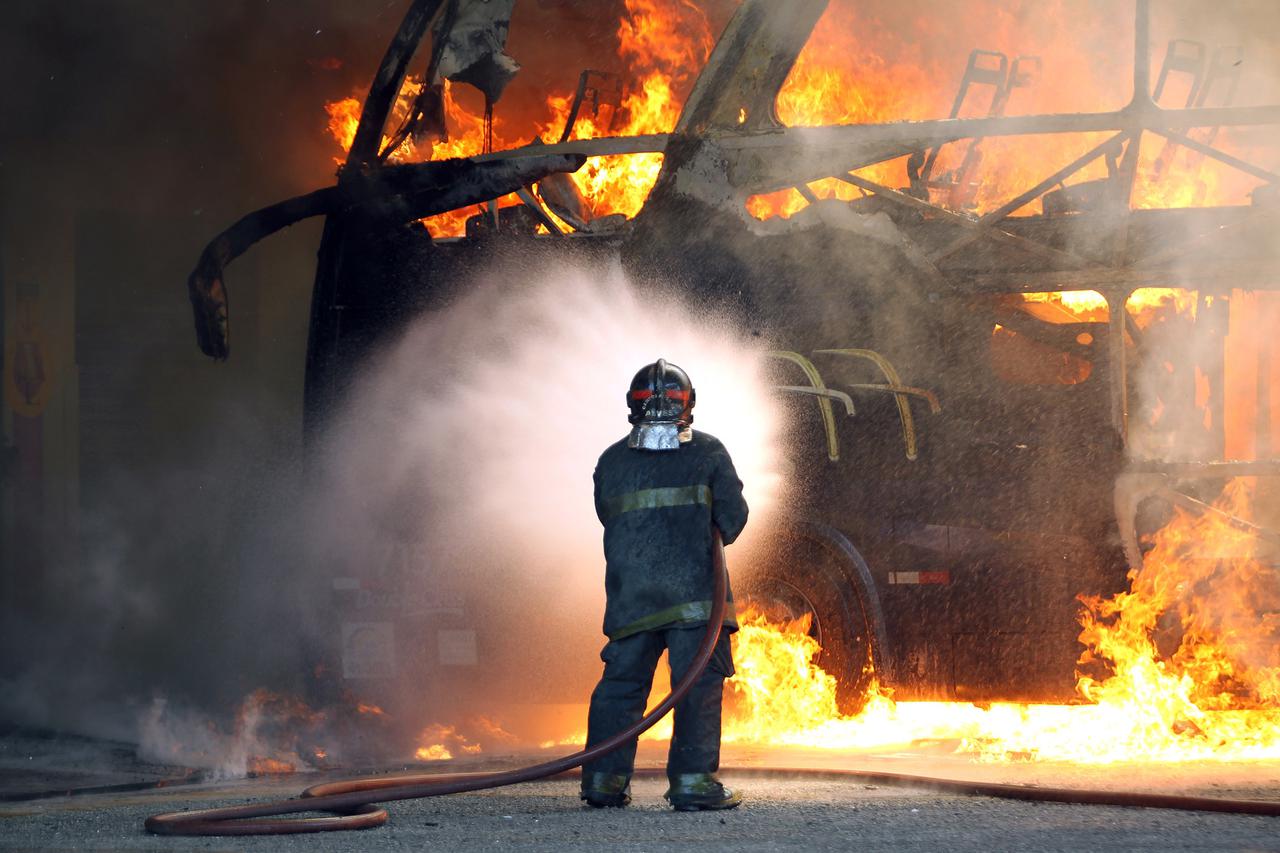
(261, 766)
(268, 730)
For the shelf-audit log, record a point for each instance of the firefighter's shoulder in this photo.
(707, 442)
(618, 448)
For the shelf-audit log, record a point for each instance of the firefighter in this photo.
(657, 493)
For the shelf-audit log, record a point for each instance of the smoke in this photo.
(498, 407)
(447, 539)
(184, 569)
(270, 733)
(201, 568)
(463, 467)
(455, 490)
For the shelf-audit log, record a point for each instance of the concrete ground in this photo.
(785, 815)
(779, 814)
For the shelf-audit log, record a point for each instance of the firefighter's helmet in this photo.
(661, 393)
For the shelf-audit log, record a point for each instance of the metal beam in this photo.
(738, 87)
(387, 81)
(839, 138)
(652, 143)
(1205, 470)
(1180, 249)
(997, 234)
(1200, 507)
(1142, 99)
(1053, 180)
(1221, 156)
(1120, 191)
(948, 129)
(1117, 373)
(1212, 277)
(989, 219)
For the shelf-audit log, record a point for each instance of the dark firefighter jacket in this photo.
(657, 508)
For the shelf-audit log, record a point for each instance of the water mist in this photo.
(472, 440)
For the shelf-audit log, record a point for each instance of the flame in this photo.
(661, 43)
(1217, 697)
(369, 710)
(860, 68)
(778, 687)
(491, 729)
(263, 766)
(433, 752)
(1203, 582)
(1184, 666)
(344, 118)
(268, 731)
(1170, 423)
(836, 80)
(439, 743)
(1090, 306)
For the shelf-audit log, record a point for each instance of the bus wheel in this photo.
(813, 570)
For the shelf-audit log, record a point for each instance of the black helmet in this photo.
(661, 393)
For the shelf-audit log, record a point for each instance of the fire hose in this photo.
(353, 804)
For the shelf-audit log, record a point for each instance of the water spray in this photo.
(352, 804)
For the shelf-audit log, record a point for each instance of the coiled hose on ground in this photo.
(353, 804)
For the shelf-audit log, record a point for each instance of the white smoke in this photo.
(266, 728)
(472, 442)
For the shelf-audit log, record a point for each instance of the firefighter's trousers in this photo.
(619, 699)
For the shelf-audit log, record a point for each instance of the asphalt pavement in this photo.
(113, 793)
(795, 814)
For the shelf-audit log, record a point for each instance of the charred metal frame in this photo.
(733, 104)
(743, 75)
(729, 145)
(761, 156)
(732, 109)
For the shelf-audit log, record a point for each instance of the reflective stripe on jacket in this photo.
(657, 508)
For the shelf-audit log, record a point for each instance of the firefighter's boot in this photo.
(606, 790)
(695, 792)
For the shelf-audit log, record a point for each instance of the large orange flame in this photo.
(859, 69)
(1205, 588)
(1183, 666)
(1216, 692)
(662, 44)
(855, 68)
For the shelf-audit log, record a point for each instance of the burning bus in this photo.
(999, 368)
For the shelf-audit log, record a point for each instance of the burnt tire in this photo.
(813, 569)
